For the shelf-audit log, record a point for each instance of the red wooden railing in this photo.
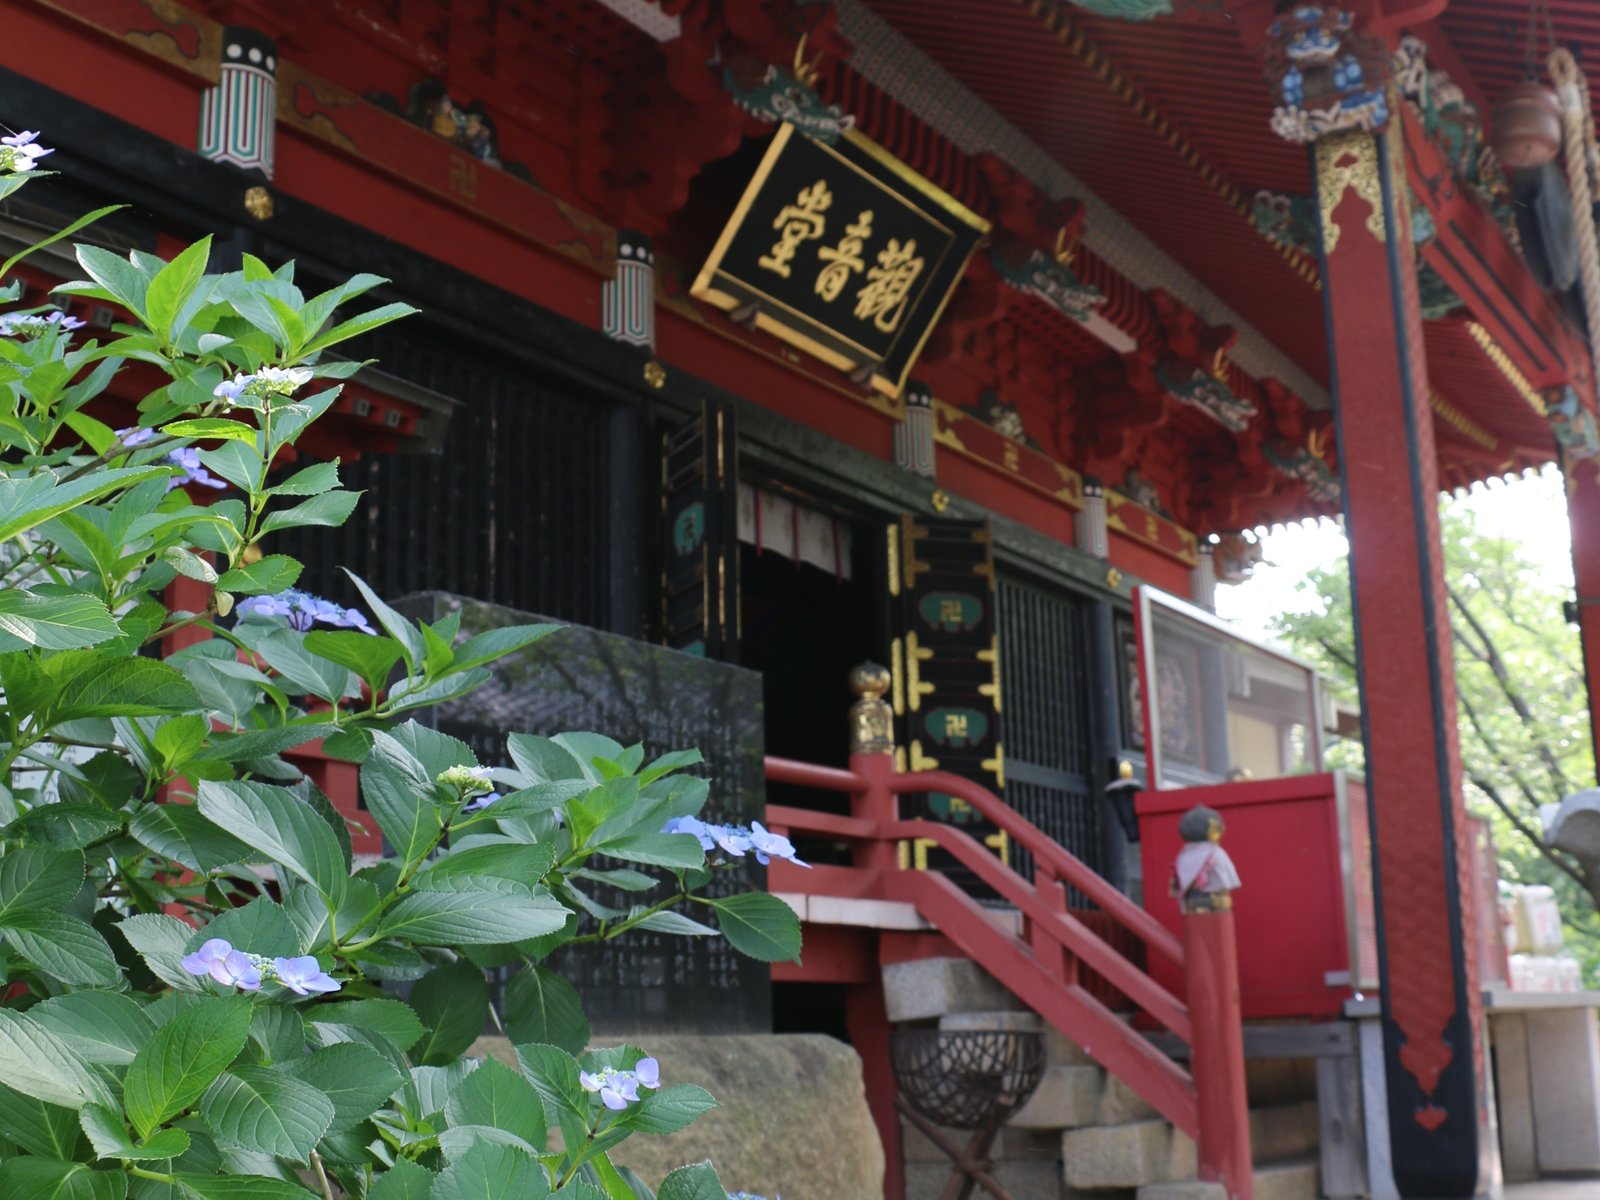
(1048, 965)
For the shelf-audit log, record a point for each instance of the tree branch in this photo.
(1490, 657)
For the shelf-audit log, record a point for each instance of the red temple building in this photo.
(969, 337)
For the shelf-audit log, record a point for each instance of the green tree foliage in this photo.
(1522, 708)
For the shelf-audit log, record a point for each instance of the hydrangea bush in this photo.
(204, 994)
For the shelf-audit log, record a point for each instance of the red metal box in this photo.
(1304, 911)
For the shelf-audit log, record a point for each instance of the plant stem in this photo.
(322, 1176)
(578, 1159)
(142, 1173)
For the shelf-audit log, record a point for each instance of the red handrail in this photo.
(1072, 934)
(1046, 850)
(827, 779)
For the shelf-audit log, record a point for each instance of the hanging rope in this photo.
(1578, 125)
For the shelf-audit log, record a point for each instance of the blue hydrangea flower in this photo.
(303, 610)
(618, 1089)
(304, 976)
(37, 324)
(187, 460)
(21, 152)
(736, 840)
(229, 967)
(481, 803)
(268, 381)
(769, 846)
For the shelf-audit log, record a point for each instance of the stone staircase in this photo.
(1085, 1135)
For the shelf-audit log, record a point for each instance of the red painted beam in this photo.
(1473, 255)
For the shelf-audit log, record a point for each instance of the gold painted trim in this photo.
(927, 187)
(893, 542)
(1461, 423)
(1334, 179)
(916, 655)
(1070, 494)
(992, 657)
(1189, 555)
(1507, 367)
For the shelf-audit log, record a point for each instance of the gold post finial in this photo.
(1124, 769)
(871, 718)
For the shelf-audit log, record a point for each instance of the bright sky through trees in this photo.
(1533, 510)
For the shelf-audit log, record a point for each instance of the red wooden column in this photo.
(1583, 515)
(1408, 711)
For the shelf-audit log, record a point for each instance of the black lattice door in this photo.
(1045, 672)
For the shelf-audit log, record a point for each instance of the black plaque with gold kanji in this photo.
(946, 668)
(844, 251)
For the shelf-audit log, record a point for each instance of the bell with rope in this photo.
(1525, 123)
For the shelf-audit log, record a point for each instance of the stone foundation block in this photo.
(1287, 1181)
(936, 987)
(1067, 1098)
(793, 1116)
(1024, 1180)
(1120, 1104)
(1284, 1131)
(1191, 1189)
(1126, 1156)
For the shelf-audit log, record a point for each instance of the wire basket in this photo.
(965, 1080)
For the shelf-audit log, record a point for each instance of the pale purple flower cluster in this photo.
(185, 458)
(37, 324)
(736, 840)
(268, 381)
(618, 1089)
(751, 1196)
(480, 803)
(20, 152)
(237, 968)
(302, 610)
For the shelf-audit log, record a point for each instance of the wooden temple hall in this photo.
(764, 339)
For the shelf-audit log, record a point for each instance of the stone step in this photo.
(1011, 1144)
(1296, 1180)
(1284, 1131)
(1189, 1189)
(1126, 1156)
(1067, 1098)
(1035, 1180)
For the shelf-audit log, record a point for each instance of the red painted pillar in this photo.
(1408, 710)
(867, 1022)
(1211, 960)
(866, 1011)
(1583, 515)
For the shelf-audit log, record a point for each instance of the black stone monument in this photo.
(583, 679)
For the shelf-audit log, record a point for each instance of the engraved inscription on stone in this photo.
(582, 679)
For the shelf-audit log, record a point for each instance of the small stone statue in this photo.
(1204, 877)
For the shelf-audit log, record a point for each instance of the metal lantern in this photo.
(1525, 125)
